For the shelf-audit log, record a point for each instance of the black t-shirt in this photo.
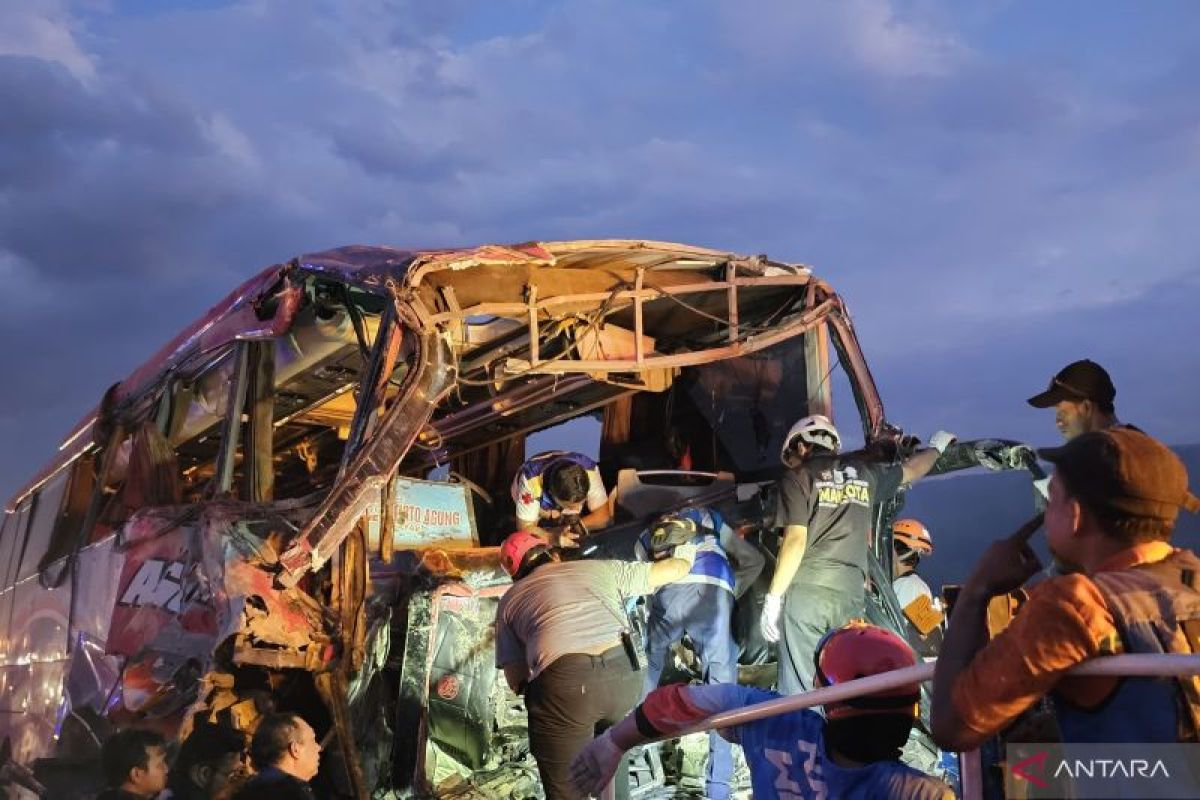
(834, 498)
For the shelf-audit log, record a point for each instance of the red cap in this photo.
(858, 650)
(516, 547)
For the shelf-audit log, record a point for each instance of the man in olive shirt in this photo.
(1082, 395)
(827, 512)
(563, 639)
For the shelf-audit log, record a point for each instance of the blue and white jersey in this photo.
(792, 763)
(786, 754)
(530, 497)
(712, 562)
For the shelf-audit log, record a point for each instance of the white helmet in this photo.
(817, 430)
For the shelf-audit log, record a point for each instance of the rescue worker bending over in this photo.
(1114, 498)
(550, 491)
(911, 541)
(852, 752)
(700, 605)
(826, 510)
(564, 640)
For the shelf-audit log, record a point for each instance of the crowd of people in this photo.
(1118, 586)
(566, 643)
(215, 762)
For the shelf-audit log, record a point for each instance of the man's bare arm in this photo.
(670, 570)
(601, 517)
(1004, 566)
(918, 465)
(791, 552)
(965, 636)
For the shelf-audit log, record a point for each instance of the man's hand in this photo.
(596, 764)
(769, 619)
(685, 552)
(567, 537)
(1008, 563)
(941, 440)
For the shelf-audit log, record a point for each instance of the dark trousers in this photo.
(569, 703)
(703, 612)
(809, 612)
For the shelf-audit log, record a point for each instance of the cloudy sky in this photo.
(997, 188)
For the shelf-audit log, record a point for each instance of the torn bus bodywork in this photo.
(246, 521)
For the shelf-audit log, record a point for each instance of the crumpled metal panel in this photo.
(194, 577)
(376, 462)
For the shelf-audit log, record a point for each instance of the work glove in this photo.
(685, 552)
(941, 440)
(596, 764)
(769, 619)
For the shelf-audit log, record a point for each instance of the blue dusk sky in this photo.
(997, 188)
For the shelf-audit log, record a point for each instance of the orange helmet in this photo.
(858, 650)
(913, 535)
(516, 547)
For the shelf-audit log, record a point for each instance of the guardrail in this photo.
(1140, 665)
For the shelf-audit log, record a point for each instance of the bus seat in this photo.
(642, 494)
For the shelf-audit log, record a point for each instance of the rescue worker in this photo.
(552, 489)
(1114, 498)
(564, 640)
(826, 509)
(850, 753)
(1082, 395)
(923, 611)
(910, 542)
(700, 605)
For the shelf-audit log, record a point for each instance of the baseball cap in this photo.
(516, 547)
(1125, 471)
(1079, 380)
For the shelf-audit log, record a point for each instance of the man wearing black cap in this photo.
(1114, 497)
(1082, 395)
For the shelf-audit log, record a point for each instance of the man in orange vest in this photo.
(1114, 498)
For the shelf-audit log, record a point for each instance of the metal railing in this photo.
(1139, 665)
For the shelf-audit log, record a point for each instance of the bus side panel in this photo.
(40, 627)
(10, 707)
(97, 579)
(35, 665)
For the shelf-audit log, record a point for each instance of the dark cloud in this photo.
(988, 202)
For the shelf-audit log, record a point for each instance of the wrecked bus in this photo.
(295, 503)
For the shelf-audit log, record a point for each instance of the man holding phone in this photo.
(1114, 498)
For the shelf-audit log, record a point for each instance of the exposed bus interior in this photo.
(289, 447)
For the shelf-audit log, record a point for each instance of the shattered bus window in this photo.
(294, 504)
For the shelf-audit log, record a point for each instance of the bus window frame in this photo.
(8, 545)
(43, 519)
(21, 514)
(71, 517)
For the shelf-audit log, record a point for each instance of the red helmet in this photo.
(857, 650)
(516, 547)
(913, 535)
